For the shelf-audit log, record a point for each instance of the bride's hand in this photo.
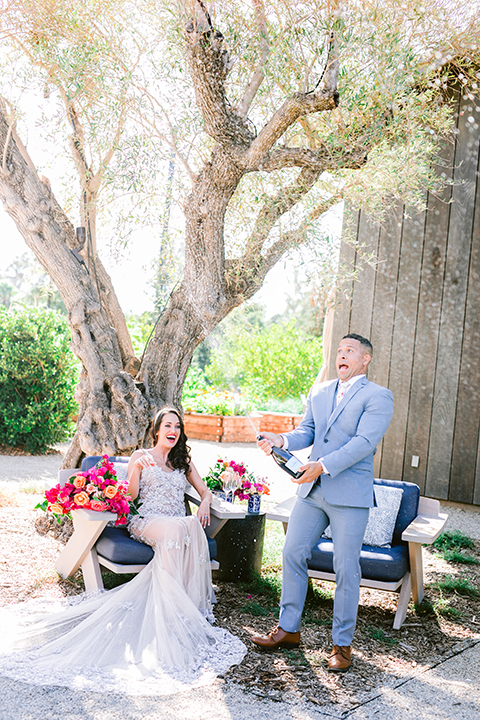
(144, 461)
(203, 513)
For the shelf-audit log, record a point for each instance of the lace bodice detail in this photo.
(161, 494)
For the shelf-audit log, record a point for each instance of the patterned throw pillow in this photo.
(121, 470)
(381, 519)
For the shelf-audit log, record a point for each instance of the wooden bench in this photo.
(396, 569)
(93, 544)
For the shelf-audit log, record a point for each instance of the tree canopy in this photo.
(272, 113)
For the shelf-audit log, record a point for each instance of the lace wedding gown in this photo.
(150, 636)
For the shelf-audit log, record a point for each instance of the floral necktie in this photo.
(342, 389)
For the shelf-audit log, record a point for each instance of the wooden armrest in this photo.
(425, 528)
(64, 475)
(87, 515)
(219, 508)
(281, 512)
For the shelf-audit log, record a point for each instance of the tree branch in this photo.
(153, 126)
(245, 275)
(277, 206)
(321, 159)
(21, 147)
(294, 107)
(209, 67)
(259, 74)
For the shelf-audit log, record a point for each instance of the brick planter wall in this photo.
(200, 426)
(236, 428)
(278, 422)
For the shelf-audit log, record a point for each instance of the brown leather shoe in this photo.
(340, 658)
(277, 638)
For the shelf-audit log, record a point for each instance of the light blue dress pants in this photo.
(309, 518)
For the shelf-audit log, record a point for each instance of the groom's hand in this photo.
(268, 440)
(311, 471)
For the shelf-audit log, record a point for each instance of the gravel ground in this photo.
(448, 689)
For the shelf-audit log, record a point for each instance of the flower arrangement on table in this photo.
(250, 485)
(95, 489)
(225, 475)
(232, 478)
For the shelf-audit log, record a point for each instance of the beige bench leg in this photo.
(416, 569)
(92, 575)
(82, 541)
(403, 600)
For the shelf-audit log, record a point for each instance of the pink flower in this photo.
(98, 505)
(52, 494)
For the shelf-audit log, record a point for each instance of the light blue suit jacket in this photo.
(346, 437)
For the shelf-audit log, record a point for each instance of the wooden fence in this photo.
(420, 306)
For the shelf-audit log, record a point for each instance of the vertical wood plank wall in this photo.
(420, 306)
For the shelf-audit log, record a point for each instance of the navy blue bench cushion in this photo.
(116, 545)
(91, 460)
(383, 564)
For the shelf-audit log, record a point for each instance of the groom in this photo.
(344, 421)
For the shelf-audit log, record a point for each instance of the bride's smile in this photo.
(169, 431)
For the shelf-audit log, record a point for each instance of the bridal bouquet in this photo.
(96, 489)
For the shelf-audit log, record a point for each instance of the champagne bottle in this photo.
(286, 461)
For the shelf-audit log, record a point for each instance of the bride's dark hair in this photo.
(179, 456)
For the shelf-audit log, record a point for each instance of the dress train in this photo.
(146, 637)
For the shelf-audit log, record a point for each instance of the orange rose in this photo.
(110, 491)
(79, 481)
(56, 509)
(81, 498)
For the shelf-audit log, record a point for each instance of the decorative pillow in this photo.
(381, 519)
(121, 470)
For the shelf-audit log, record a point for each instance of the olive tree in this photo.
(274, 112)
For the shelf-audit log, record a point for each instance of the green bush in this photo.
(38, 376)
(276, 362)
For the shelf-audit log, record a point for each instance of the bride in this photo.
(152, 635)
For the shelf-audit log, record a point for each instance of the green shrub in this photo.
(275, 362)
(140, 328)
(38, 376)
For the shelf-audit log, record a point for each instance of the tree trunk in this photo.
(113, 413)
